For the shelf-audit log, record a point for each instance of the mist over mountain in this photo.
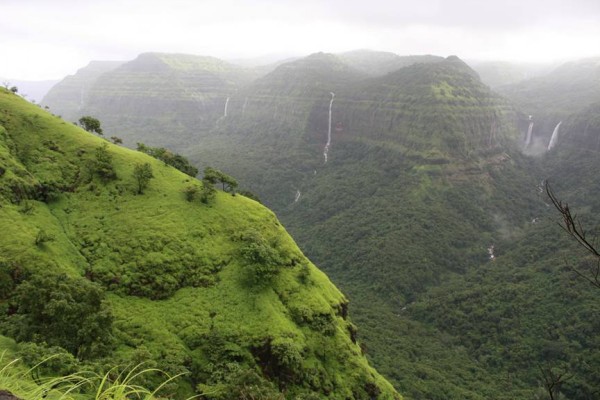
(559, 95)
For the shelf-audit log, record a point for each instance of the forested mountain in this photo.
(104, 266)
(410, 188)
(69, 96)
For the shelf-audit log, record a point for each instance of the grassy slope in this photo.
(108, 231)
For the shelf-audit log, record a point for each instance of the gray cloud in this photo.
(71, 32)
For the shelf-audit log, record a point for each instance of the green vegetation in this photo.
(175, 160)
(56, 310)
(214, 176)
(102, 165)
(91, 124)
(424, 175)
(26, 383)
(142, 174)
(160, 280)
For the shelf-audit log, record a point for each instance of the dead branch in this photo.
(572, 225)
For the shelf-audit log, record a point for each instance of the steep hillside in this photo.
(69, 96)
(430, 113)
(217, 291)
(171, 98)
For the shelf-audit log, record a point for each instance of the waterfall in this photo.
(529, 131)
(491, 252)
(298, 194)
(554, 137)
(226, 104)
(326, 150)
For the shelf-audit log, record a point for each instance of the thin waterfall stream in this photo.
(554, 137)
(326, 150)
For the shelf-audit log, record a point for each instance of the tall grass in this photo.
(84, 385)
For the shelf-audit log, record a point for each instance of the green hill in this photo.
(217, 291)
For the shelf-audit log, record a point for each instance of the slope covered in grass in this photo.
(217, 291)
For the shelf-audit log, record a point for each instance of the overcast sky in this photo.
(48, 39)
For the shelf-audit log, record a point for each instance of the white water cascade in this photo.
(298, 194)
(326, 150)
(491, 252)
(529, 131)
(554, 137)
(225, 111)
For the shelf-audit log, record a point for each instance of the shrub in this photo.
(103, 164)
(61, 311)
(142, 174)
(43, 237)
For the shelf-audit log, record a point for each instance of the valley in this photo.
(399, 176)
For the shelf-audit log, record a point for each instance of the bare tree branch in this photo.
(553, 381)
(572, 225)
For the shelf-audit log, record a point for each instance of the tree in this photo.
(553, 382)
(116, 140)
(59, 310)
(213, 176)
(190, 192)
(103, 163)
(573, 227)
(208, 191)
(142, 174)
(175, 160)
(262, 258)
(91, 124)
